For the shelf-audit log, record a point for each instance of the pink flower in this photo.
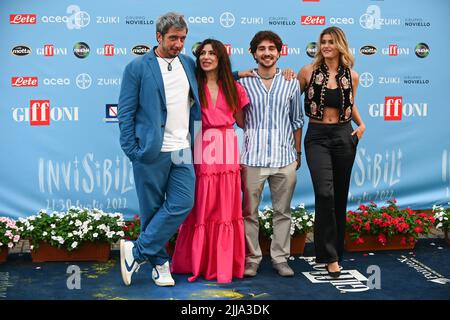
(382, 239)
(359, 240)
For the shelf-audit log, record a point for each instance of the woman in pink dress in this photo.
(211, 241)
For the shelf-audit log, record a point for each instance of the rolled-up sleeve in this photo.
(126, 113)
(296, 113)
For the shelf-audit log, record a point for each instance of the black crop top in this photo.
(332, 98)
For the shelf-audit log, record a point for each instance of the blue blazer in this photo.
(142, 111)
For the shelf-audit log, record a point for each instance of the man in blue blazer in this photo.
(157, 108)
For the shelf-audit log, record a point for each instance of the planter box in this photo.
(3, 254)
(297, 245)
(446, 236)
(88, 251)
(371, 244)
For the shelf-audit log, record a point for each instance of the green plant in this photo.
(70, 229)
(302, 221)
(387, 221)
(9, 232)
(442, 217)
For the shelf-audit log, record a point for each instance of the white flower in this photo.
(70, 235)
(53, 226)
(30, 228)
(309, 224)
(31, 247)
(78, 223)
(439, 225)
(267, 225)
(44, 233)
(110, 234)
(95, 235)
(74, 245)
(120, 234)
(10, 245)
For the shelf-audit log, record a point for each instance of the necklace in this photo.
(169, 63)
(266, 78)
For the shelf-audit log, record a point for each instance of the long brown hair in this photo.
(224, 74)
(340, 40)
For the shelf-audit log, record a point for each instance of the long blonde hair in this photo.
(340, 40)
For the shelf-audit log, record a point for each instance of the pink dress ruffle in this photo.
(211, 241)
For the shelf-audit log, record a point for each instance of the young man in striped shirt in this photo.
(271, 151)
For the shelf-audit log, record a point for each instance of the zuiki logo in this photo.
(24, 81)
(81, 50)
(368, 50)
(311, 49)
(140, 49)
(372, 19)
(422, 50)
(107, 20)
(23, 18)
(21, 51)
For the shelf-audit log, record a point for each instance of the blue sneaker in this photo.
(128, 265)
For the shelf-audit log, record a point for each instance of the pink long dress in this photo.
(211, 241)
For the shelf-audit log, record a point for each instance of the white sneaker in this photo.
(161, 275)
(128, 265)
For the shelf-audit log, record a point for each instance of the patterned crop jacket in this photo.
(315, 93)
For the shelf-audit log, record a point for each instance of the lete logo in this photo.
(22, 19)
(313, 20)
(24, 81)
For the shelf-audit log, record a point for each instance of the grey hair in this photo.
(168, 20)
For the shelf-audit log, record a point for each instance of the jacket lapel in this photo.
(156, 72)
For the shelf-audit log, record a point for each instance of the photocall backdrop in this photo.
(62, 61)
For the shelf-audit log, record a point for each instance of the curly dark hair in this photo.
(265, 35)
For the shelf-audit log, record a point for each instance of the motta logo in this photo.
(22, 18)
(21, 51)
(368, 50)
(24, 81)
(313, 20)
(393, 108)
(40, 112)
(140, 49)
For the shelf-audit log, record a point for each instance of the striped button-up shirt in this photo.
(270, 121)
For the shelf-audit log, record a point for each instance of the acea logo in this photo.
(422, 50)
(81, 50)
(227, 19)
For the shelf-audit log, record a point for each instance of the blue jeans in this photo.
(165, 191)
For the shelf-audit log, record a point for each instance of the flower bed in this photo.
(9, 236)
(302, 222)
(442, 219)
(382, 228)
(71, 231)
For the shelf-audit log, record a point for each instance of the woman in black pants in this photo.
(329, 84)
